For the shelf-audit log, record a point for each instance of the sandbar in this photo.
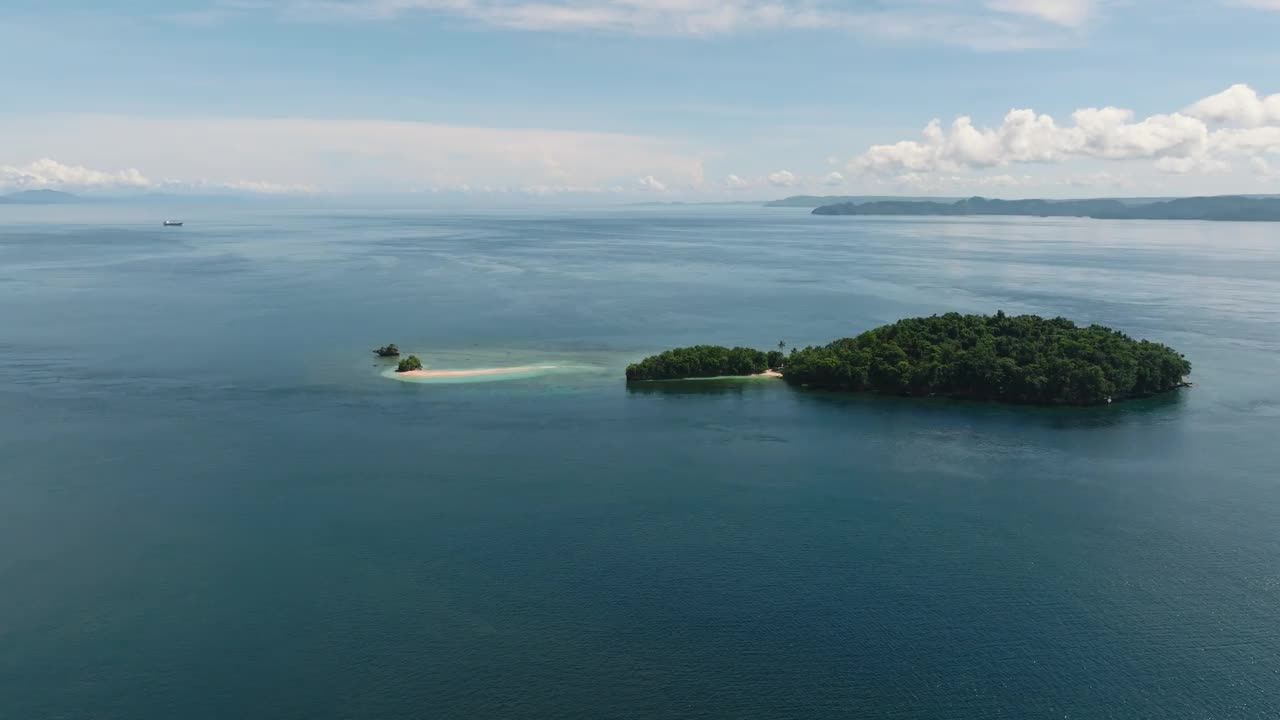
(473, 373)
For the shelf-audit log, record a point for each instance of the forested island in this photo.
(1226, 208)
(705, 361)
(1023, 359)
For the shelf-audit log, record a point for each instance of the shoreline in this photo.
(767, 374)
(478, 372)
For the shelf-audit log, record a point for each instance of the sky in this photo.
(626, 100)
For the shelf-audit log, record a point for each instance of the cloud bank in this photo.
(1208, 136)
(279, 154)
(48, 174)
(1226, 142)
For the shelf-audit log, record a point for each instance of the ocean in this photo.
(215, 504)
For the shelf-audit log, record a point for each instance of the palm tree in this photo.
(782, 345)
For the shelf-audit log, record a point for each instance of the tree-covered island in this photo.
(387, 351)
(1013, 359)
(704, 361)
(1225, 207)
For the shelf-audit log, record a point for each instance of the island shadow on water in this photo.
(1051, 417)
(706, 386)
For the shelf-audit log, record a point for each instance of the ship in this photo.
(173, 223)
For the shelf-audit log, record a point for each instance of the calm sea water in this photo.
(213, 505)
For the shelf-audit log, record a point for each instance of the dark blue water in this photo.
(212, 505)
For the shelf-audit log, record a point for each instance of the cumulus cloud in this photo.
(1204, 138)
(1257, 4)
(47, 173)
(649, 182)
(50, 174)
(733, 182)
(1238, 105)
(833, 179)
(1071, 13)
(992, 24)
(783, 178)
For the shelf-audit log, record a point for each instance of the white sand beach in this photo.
(477, 372)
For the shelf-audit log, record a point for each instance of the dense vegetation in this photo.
(387, 351)
(1227, 207)
(410, 363)
(702, 361)
(1022, 359)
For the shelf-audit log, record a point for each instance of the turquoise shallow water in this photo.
(213, 504)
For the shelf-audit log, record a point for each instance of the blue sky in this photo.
(627, 99)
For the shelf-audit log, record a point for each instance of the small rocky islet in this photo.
(408, 364)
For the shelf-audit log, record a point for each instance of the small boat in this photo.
(173, 223)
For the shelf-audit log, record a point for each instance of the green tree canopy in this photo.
(410, 363)
(1022, 359)
(700, 361)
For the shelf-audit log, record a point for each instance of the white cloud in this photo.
(47, 173)
(1179, 142)
(649, 182)
(348, 155)
(733, 182)
(1238, 105)
(783, 178)
(1071, 13)
(50, 174)
(833, 179)
(993, 24)
(1257, 4)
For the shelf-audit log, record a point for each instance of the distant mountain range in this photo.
(1225, 207)
(58, 197)
(40, 197)
(813, 201)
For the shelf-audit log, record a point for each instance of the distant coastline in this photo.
(1231, 208)
(40, 197)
